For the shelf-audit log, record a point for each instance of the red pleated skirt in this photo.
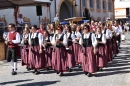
(89, 60)
(59, 59)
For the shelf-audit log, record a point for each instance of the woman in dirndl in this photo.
(88, 42)
(47, 49)
(59, 54)
(101, 58)
(77, 46)
(35, 51)
(109, 44)
(25, 49)
(70, 49)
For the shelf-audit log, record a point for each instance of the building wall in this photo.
(122, 3)
(30, 12)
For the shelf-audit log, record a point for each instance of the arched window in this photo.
(91, 3)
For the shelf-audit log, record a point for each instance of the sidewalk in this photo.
(116, 74)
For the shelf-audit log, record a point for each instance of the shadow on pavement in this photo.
(119, 65)
(17, 81)
(45, 83)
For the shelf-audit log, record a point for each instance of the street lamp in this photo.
(73, 3)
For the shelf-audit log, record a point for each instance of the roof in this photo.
(4, 4)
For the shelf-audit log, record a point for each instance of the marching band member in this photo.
(59, 41)
(47, 49)
(88, 42)
(25, 49)
(77, 46)
(101, 56)
(70, 50)
(35, 50)
(13, 41)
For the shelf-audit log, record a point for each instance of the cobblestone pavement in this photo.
(116, 74)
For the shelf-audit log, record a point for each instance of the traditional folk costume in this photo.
(108, 50)
(109, 45)
(48, 51)
(77, 48)
(59, 54)
(35, 58)
(88, 41)
(114, 40)
(70, 51)
(25, 51)
(14, 38)
(101, 55)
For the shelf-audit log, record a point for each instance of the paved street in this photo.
(116, 74)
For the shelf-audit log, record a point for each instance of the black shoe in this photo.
(89, 75)
(28, 68)
(79, 66)
(14, 73)
(34, 71)
(69, 70)
(86, 73)
(61, 74)
(57, 72)
(100, 69)
(13, 69)
(47, 69)
(37, 72)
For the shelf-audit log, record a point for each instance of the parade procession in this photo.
(64, 37)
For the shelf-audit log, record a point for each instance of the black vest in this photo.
(34, 41)
(99, 39)
(87, 41)
(61, 39)
(47, 45)
(26, 41)
(70, 42)
(105, 30)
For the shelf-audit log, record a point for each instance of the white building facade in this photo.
(120, 8)
(99, 10)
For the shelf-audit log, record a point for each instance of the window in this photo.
(98, 4)
(104, 4)
(109, 6)
(84, 3)
(91, 3)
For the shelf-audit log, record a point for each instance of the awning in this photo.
(4, 4)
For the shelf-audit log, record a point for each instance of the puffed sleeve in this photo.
(65, 40)
(94, 41)
(81, 41)
(40, 36)
(110, 33)
(107, 33)
(50, 38)
(53, 41)
(104, 39)
(73, 37)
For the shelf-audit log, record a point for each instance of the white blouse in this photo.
(116, 29)
(78, 34)
(58, 37)
(50, 38)
(40, 37)
(108, 34)
(24, 36)
(103, 37)
(72, 36)
(93, 38)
